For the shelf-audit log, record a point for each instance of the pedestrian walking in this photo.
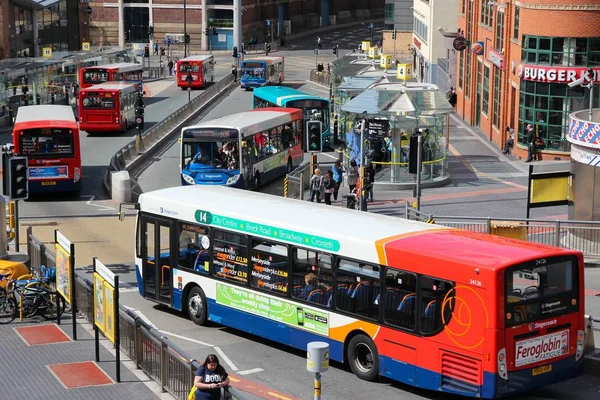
(352, 175)
(319, 44)
(510, 141)
(234, 72)
(210, 378)
(155, 52)
(369, 181)
(328, 186)
(316, 184)
(170, 65)
(452, 98)
(530, 134)
(337, 171)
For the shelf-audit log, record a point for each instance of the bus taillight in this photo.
(502, 364)
(580, 344)
(76, 174)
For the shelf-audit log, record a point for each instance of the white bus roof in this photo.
(355, 231)
(121, 66)
(112, 86)
(200, 57)
(247, 122)
(272, 59)
(45, 113)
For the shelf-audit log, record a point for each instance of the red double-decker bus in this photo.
(49, 136)
(109, 107)
(128, 72)
(195, 71)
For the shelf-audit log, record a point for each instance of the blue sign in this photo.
(39, 173)
(268, 22)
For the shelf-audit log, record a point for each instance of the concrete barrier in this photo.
(121, 186)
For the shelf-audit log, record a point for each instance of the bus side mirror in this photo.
(122, 216)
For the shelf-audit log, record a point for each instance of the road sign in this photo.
(460, 43)
(85, 46)
(47, 52)
(139, 120)
(189, 89)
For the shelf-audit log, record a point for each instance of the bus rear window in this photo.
(541, 289)
(184, 67)
(38, 143)
(95, 76)
(98, 102)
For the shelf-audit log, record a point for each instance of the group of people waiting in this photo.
(329, 185)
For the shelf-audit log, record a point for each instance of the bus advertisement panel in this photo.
(49, 136)
(195, 71)
(120, 72)
(256, 72)
(109, 107)
(391, 297)
(314, 108)
(242, 150)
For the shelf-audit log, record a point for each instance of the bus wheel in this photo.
(197, 306)
(290, 167)
(363, 358)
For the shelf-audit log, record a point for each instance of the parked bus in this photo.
(314, 107)
(109, 107)
(442, 309)
(262, 71)
(201, 68)
(48, 136)
(127, 72)
(269, 140)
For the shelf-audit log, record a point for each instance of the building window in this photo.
(500, 32)
(561, 51)
(469, 20)
(486, 89)
(464, 7)
(230, 256)
(461, 68)
(516, 27)
(468, 76)
(486, 14)
(389, 11)
(361, 282)
(497, 96)
(420, 29)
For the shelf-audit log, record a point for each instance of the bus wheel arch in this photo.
(360, 352)
(196, 306)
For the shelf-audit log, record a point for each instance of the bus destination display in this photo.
(210, 133)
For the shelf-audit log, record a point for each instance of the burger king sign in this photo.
(557, 74)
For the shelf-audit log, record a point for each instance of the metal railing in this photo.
(137, 152)
(151, 351)
(583, 236)
(320, 77)
(297, 181)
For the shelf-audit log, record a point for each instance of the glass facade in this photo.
(388, 11)
(547, 105)
(23, 37)
(52, 26)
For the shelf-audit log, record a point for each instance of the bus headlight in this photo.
(188, 179)
(233, 180)
(76, 175)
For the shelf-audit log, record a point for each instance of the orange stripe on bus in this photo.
(339, 334)
(380, 244)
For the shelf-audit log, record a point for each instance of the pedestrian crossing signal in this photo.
(314, 137)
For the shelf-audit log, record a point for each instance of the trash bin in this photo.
(509, 229)
(350, 201)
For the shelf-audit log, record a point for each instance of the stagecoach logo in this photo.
(541, 325)
(168, 212)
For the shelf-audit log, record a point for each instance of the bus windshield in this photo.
(211, 154)
(96, 101)
(95, 76)
(45, 142)
(541, 289)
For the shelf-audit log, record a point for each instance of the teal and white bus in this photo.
(313, 107)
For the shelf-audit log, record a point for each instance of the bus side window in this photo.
(363, 294)
(191, 254)
(230, 256)
(312, 276)
(400, 300)
(269, 266)
(433, 296)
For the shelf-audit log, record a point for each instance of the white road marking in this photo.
(250, 371)
(145, 319)
(186, 338)
(129, 289)
(225, 358)
(166, 87)
(330, 156)
(100, 207)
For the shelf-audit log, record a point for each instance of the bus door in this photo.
(156, 260)
(249, 155)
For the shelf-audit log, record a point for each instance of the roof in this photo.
(358, 230)
(116, 65)
(45, 113)
(200, 57)
(281, 92)
(274, 59)
(248, 121)
(112, 86)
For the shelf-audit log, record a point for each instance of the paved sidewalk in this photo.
(39, 360)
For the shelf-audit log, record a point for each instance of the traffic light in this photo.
(335, 49)
(235, 52)
(214, 31)
(394, 35)
(139, 122)
(268, 49)
(315, 131)
(18, 178)
(126, 34)
(146, 52)
(206, 31)
(187, 38)
(150, 31)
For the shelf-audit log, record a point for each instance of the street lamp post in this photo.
(185, 28)
(419, 168)
(363, 189)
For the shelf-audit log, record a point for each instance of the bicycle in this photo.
(26, 297)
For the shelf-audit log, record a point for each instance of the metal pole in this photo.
(362, 164)
(317, 386)
(185, 28)
(591, 112)
(394, 56)
(419, 149)
(17, 226)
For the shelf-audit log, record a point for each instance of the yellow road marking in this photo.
(276, 395)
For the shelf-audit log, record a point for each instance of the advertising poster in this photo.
(63, 272)
(109, 311)
(99, 316)
(274, 309)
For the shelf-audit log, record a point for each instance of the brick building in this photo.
(263, 20)
(521, 58)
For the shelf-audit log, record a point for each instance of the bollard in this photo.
(590, 344)
(285, 186)
(38, 99)
(317, 360)
(52, 98)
